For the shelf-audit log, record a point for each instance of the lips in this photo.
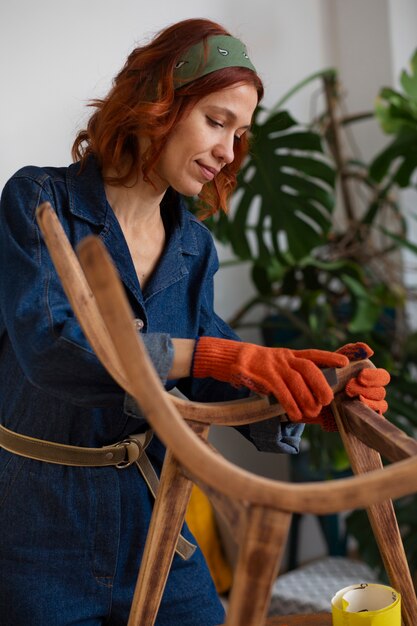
(208, 172)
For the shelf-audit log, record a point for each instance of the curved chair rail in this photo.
(361, 491)
(81, 298)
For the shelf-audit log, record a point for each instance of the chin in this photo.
(188, 190)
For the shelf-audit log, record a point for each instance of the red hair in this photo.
(143, 102)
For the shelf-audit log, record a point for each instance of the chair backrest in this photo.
(259, 509)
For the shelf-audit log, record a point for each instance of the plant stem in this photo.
(233, 262)
(357, 117)
(234, 321)
(296, 322)
(331, 99)
(322, 74)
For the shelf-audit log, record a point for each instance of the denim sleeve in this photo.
(161, 350)
(46, 337)
(272, 435)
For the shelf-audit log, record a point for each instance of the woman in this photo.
(175, 123)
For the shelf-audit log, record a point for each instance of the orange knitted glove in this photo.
(368, 386)
(292, 376)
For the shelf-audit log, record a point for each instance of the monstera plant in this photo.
(323, 233)
(329, 272)
(283, 205)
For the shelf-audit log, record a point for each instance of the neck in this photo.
(137, 209)
(135, 204)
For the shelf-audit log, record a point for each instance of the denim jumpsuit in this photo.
(72, 538)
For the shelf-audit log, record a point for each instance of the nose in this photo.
(224, 151)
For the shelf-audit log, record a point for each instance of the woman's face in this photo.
(204, 140)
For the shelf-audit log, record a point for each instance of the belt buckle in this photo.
(133, 450)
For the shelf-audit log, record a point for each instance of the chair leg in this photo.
(383, 522)
(258, 563)
(293, 541)
(167, 519)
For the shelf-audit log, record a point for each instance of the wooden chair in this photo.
(259, 509)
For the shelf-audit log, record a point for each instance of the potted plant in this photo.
(327, 275)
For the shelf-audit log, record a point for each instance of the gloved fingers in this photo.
(380, 406)
(272, 385)
(308, 402)
(373, 377)
(353, 388)
(322, 357)
(314, 379)
(356, 351)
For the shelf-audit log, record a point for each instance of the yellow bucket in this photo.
(366, 605)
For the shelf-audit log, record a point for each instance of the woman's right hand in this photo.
(293, 377)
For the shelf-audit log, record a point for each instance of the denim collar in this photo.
(87, 200)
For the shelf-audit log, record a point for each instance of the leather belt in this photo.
(121, 455)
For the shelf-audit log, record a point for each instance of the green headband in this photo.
(220, 51)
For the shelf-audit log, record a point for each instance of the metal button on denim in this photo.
(138, 324)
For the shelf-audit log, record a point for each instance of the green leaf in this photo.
(406, 170)
(395, 111)
(280, 121)
(265, 276)
(330, 266)
(371, 213)
(365, 317)
(394, 121)
(237, 233)
(261, 279)
(401, 241)
(301, 140)
(309, 167)
(290, 180)
(308, 189)
(409, 81)
(355, 287)
(367, 309)
(402, 147)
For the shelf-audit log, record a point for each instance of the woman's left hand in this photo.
(368, 386)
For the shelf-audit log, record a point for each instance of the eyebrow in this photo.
(231, 116)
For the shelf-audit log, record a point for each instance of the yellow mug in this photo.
(366, 605)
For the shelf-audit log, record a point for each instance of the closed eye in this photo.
(214, 123)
